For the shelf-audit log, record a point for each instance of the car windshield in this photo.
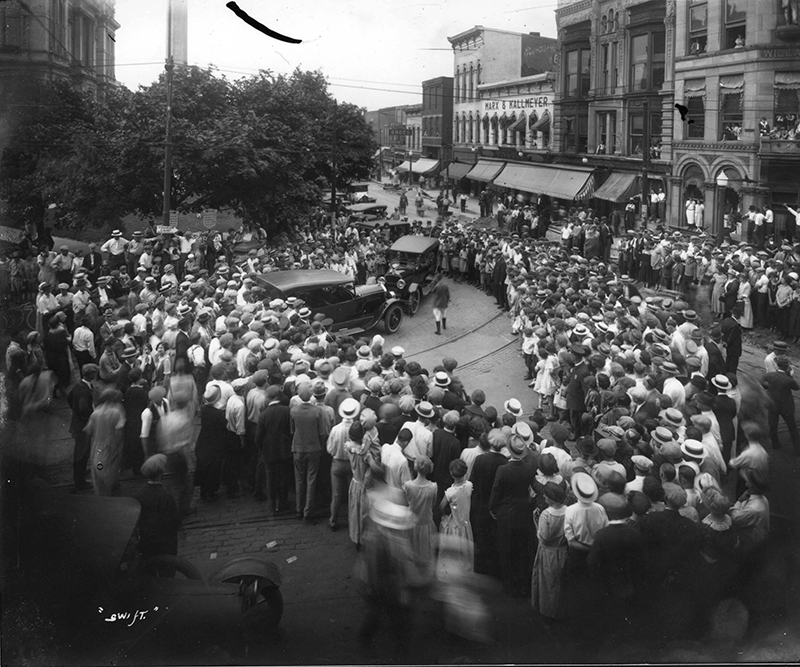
(406, 259)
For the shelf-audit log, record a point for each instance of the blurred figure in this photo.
(388, 571)
(547, 594)
(159, 519)
(36, 390)
(210, 445)
(105, 432)
(364, 462)
(56, 351)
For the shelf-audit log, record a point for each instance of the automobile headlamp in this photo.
(401, 284)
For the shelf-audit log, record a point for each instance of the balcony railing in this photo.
(770, 146)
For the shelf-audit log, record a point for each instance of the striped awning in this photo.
(485, 171)
(619, 187)
(543, 124)
(456, 170)
(560, 182)
(424, 166)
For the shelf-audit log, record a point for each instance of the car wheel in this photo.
(393, 318)
(262, 601)
(414, 301)
(169, 566)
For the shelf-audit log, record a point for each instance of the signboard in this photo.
(166, 229)
(537, 102)
(173, 218)
(400, 131)
(780, 53)
(209, 218)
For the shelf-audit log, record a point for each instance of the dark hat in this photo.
(587, 447)
(555, 492)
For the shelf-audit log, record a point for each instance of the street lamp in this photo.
(722, 183)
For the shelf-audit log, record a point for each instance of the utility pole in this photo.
(333, 174)
(645, 164)
(169, 67)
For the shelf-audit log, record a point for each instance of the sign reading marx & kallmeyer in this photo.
(527, 104)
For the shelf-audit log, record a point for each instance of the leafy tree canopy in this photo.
(262, 146)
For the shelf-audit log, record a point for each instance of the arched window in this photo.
(469, 121)
(471, 83)
(457, 91)
(603, 25)
(613, 23)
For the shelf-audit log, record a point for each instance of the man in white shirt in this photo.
(421, 435)
(394, 461)
(83, 344)
(672, 386)
(760, 228)
(769, 221)
(115, 247)
(236, 418)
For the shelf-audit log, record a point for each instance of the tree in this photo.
(261, 146)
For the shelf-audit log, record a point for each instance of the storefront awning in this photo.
(456, 171)
(485, 171)
(518, 125)
(424, 166)
(402, 167)
(543, 124)
(619, 187)
(560, 182)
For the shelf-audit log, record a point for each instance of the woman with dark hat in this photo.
(56, 351)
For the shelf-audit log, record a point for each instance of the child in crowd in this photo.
(458, 500)
(420, 496)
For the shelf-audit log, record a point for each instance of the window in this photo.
(614, 61)
(613, 21)
(735, 23)
(606, 67)
(731, 116)
(786, 117)
(635, 133)
(698, 28)
(648, 61)
(695, 125)
(603, 25)
(577, 72)
(576, 134)
(606, 133)
(471, 84)
(12, 27)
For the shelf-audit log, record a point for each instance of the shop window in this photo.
(695, 125)
(577, 73)
(735, 24)
(576, 134)
(731, 116)
(648, 61)
(698, 27)
(570, 125)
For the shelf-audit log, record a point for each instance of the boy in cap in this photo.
(159, 519)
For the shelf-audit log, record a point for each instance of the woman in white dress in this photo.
(743, 297)
(690, 213)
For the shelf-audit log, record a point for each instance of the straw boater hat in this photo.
(441, 379)
(349, 408)
(390, 515)
(721, 382)
(584, 488)
(513, 407)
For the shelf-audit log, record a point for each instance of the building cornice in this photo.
(544, 77)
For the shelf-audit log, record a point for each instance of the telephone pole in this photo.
(169, 67)
(334, 207)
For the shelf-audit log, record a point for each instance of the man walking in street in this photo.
(779, 386)
(441, 299)
(81, 403)
(308, 435)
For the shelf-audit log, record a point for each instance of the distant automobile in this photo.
(358, 193)
(412, 270)
(352, 308)
(367, 211)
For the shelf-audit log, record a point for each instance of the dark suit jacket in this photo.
(484, 470)
(274, 433)
(80, 402)
(673, 544)
(617, 559)
(182, 345)
(716, 361)
(780, 386)
(446, 448)
(732, 335)
(510, 497)
(647, 410)
(576, 390)
(730, 296)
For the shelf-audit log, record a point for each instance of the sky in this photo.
(375, 53)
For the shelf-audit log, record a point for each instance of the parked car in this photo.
(358, 193)
(390, 229)
(351, 308)
(78, 586)
(412, 270)
(366, 211)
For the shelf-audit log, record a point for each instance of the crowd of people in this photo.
(634, 474)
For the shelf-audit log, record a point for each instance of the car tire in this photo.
(414, 300)
(264, 609)
(393, 318)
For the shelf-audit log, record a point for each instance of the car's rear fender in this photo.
(248, 566)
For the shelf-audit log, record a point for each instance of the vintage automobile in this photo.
(360, 212)
(358, 193)
(412, 270)
(352, 308)
(79, 593)
(390, 229)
